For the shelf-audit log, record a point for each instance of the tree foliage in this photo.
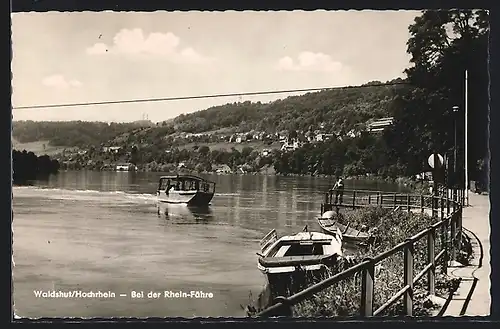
(337, 109)
(444, 44)
(27, 166)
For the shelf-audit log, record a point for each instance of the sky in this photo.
(63, 57)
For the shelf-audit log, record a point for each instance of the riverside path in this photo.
(473, 297)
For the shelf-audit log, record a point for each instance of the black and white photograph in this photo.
(250, 164)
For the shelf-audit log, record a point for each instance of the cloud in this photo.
(134, 42)
(58, 81)
(309, 61)
(97, 49)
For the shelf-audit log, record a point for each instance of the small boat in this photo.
(290, 260)
(185, 189)
(350, 235)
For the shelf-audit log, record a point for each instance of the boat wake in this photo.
(85, 195)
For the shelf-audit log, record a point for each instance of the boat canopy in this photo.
(185, 177)
(185, 183)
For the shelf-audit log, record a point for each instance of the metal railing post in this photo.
(453, 237)
(381, 199)
(459, 224)
(447, 206)
(431, 254)
(353, 199)
(367, 288)
(434, 207)
(442, 208)
(395, 199)
(378, 198)
(408, 277)
(421, 203)
(444, 245)
(408, 202)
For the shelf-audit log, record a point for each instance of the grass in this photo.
(389, 228)
(38, 147)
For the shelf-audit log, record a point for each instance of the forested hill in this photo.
(335, 109)
(331, 110)
(70, 133)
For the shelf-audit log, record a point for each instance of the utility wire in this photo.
(163, 99)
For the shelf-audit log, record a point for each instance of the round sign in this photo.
(436, 157)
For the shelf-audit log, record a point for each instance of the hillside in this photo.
(338, 109)
(331, 111)
(39, 148)
(69, 133)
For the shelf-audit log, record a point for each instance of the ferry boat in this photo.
(185, 189)
(292, 260)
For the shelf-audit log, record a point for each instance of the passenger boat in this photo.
(185, 189)
(291, 260)
(350, 235)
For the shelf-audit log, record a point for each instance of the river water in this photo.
(104, 232)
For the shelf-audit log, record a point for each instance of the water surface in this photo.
(103, 231)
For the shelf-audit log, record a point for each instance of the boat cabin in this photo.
(185, 183)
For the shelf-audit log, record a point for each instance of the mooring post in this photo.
(408, 277)
(367, 281)
(431, 254)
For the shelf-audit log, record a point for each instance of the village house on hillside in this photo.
(111, 149)
(290, 145)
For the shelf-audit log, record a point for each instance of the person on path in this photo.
(339, 190)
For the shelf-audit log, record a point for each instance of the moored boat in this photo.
(185, 189)
(350, 235)
(291, 260)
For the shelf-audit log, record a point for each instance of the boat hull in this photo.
(294, 280)
(190, 198)
(352, 238)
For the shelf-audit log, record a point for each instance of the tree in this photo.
(443, 44)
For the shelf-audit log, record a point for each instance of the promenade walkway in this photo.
(473, 297)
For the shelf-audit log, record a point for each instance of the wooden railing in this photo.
(447, 209)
